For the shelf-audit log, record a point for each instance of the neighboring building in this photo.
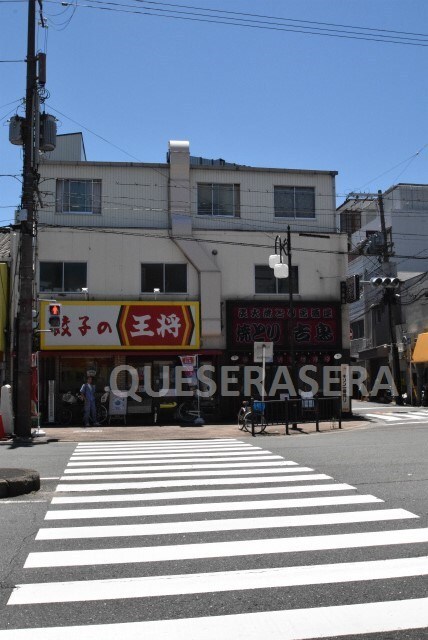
(5, 258)
(412, 334)
(406, 225)
(153, 262)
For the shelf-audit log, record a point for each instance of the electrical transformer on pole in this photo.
(30, 133)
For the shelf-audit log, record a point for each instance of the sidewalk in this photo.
(180, 432)
(15, 482)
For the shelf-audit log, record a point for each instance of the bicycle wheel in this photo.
(187, 412)
(241, 417)
(102, 414)
(65, 415)
(259, 422)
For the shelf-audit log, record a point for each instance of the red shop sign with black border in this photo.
(315, 325)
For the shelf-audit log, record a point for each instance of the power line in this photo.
(237, 22)
(13, 102)
(409, 159)
(248, 19)
(256, 15)
(93, 133)
(386, 197)
(311, 223)
(6, 115)
(155, 234)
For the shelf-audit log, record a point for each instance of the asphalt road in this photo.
(296, 584)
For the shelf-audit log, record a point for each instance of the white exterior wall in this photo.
(257, 198)
(114, 259)
(406, 208)
(135, 195)
(408, 221)
(131, 195)
(144, 204)
(238, 253)
(410, 226)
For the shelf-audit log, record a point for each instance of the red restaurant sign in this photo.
(123, 325)
(315, 325)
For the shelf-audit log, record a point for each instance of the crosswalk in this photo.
(399, 416)
(201, 540)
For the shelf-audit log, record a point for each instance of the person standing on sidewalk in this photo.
(90, 410)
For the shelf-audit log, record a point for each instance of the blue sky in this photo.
(251, 96)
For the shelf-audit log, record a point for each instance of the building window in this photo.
(294, 202)
(78, 196)
(168, 278)
(357, 329)
(63, 276)
(350, 221)
(265, 281)
(218, 200)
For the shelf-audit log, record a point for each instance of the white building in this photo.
(406, 225)
(192, 236)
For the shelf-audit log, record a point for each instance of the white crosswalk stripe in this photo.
(192, 474)
(215, 517)
(401, 416)
(253, 505)
(208, 493)
(191, 482)
(218, 581)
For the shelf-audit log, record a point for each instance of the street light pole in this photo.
(283, 270)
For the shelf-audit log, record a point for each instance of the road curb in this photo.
(15, 482)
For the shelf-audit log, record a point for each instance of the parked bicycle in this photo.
(71, 408)
(247, 416)
(189, 412)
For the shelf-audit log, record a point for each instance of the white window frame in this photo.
(294, 216)
(236, 199)
(61, 206)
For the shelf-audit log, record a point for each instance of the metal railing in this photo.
(297, 411)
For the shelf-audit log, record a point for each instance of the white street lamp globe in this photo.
(273, 260)
(280, 270)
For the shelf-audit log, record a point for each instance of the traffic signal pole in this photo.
(396, 374)
(388, 299)
(26, 269)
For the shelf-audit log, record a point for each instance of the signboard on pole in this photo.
(353, 288)
(51, 401)
(345, 388)
(117, 405)
(263, 352)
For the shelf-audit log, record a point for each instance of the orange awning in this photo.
(420, 353)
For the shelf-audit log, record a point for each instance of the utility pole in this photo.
(26, 269)
(389, 299)
(389, 296)
(385, 254)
